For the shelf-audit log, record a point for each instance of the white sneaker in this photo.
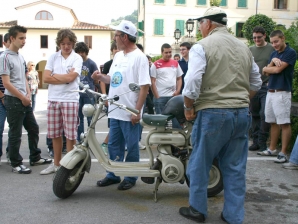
(142, 147)
(50, 169)
(268, 152)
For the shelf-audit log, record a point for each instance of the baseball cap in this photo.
(215, 14)
(126, 27)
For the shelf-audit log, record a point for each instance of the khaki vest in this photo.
(225, 83)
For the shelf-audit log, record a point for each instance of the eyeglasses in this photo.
(118, 35)
(32, 65)
(183, 49)
(257, 37)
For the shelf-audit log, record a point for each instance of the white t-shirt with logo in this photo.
(126, 69)
(57, 64)
(166, 74)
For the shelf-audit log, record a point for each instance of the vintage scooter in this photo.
(172, 146)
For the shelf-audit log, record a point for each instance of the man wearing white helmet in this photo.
(221, 78)
(130, 65)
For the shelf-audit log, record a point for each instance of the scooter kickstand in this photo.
(158, 182)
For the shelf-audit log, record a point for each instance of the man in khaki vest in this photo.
(221, 78)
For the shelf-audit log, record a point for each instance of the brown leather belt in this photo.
(275, 90)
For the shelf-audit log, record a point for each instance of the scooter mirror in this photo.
(134, 87)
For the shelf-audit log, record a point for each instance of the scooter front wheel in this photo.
(64, 183)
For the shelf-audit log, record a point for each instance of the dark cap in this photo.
(215, 14)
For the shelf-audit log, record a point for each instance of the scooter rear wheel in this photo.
(215, 185)
(63, 186)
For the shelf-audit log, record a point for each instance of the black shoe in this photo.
(125, 185)
(222, 217)
(64, 151)
(191, 213)
(106, 182)
(254, 147)
(41, 161)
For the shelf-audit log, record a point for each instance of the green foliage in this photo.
(258, 20)
(295, 83)
(292, 35)
(155, 58)
(133, 18)
(215, 2)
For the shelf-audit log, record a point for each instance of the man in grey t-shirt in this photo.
(18, 104)
(261, 52)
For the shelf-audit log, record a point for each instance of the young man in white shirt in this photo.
(62, 72)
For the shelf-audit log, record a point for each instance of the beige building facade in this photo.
(44, 19)
(160, 18)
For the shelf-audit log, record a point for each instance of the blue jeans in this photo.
(122, 132)
(18, 116)
(294, 153)
(260, 129)
(84, 99)
(222, 134)
(159, 105)
(2, 123)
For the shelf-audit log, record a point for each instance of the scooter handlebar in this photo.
(135, 111)
(128, 109)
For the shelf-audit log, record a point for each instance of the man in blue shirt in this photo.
(183, 62)
(278, 102)
(88, 68)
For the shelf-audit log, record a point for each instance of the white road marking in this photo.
(263, 158)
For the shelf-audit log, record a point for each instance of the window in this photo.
(88, 41)
(180, 2)
(180, 26)
(280, 4)
(44, 15)
(158, 26)
(43, 41)
(201, 2)
(159, 1)
(141, 27)
(223, 3)
(239, 32)
(242, 3)
(1, 40)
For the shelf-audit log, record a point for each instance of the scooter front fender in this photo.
(73, 157)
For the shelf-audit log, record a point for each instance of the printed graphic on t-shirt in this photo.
(84, 72)
(116, 79)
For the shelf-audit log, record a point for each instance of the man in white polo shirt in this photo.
(62, 72)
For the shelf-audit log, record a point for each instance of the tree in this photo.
(292, 35)
(258, 20)
(215, 2)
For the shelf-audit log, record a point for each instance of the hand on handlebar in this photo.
(135, 119)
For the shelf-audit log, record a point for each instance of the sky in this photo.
(99, 12)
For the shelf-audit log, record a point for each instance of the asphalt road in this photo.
(272, 193)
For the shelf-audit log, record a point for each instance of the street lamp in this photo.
(177, 35)
(189, 26)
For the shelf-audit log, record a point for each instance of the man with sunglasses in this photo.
(261, 52)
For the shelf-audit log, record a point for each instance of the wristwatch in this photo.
(187, 108)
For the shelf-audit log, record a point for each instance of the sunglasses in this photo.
(32, 65)
(257, 37)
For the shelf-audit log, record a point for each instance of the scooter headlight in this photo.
(88, 110)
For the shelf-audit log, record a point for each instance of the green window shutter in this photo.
(181, 2)
(223, 3)
(141, 27)
(180, 26)
(159, 1)
(201, 2)
(242, 3)
(158, 26)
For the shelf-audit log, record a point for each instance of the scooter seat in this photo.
(156, 119)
